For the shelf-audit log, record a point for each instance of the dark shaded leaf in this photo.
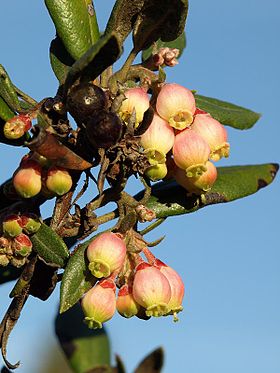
(179, 43)
(5, 112)
(165, 21)
(9, 273)
(50, 247)
(61, 61)
(84, 348)
(123, 17)
(7, 90)
(228, 114)
(43, 281)
(76, 280)
(169, 199)
(153, 363)
(75, 23)
(100, 56)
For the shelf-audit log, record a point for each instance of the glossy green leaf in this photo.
(165, 21)
(7, 90)
(228, 114)
(179, 43)
(123, 17)
(61, 61)
(152, 363)
(5, 112)
(100, 56)
(50, 247)
(76, 279)
(9, 273)
(169, 199)
(75, 23)
(84, 348)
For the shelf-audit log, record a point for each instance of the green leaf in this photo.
(179, 43)
(123, 17)
(76, 279)
(152, 363)
(9, 273)
(100, 56)
(75, 23)
(61, 61)
(169, 199)
(165, 21)
(226, 113)
(50, 247)
(5, 112)
(7, 90)
(84, 348)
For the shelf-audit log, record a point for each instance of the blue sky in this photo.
(228, 255)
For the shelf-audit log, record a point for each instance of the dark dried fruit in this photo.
(84, 100)
(104, 130)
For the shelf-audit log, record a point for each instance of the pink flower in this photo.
(176, 104)
(126, 304)
(58, 180)
(99, 304)
(106, 254)
(27, 179)
(214, 133)
(151, 290)
(157, 140)
(136, 99)
(191, 153)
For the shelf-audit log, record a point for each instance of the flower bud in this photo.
(151, 290)
(4, 260)
(176, 285)
(27, 179)
(17, 126)
(99, 304)
(58, 180)
(144, 214)
(30, 223)
(136, 99)
(84, 101)
(17, 261)
(6, 245)
(191, 153)
(156, 172)
(214, 133)
(157, 140)
(106, 254)
(12, 225)
(166, 56)
(22, 245)
(103, 130)
(176, 104)
(197, 185)
(126, 305)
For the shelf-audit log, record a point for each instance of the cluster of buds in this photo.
(147, 288)
(35, 175)
(15, 244)
(180, 135)
(17, 126)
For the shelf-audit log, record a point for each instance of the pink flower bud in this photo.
(156, 172)
(197, 185)
(214, 133)
(58, 180)
(151, 290)
(176, 104)
(99, 304)
(144, 214)
(12, 225)
(166, 56)
(126, 304)
(106, 254)
(136, 99)
(30, 223)
(176, 285)
(157, 140)
(22, 245)
(27, 179)
(17, 126)
(191, 153)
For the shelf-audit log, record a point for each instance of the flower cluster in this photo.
(15, 244)
(145, 288)
(35, 174)
(180, 136)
